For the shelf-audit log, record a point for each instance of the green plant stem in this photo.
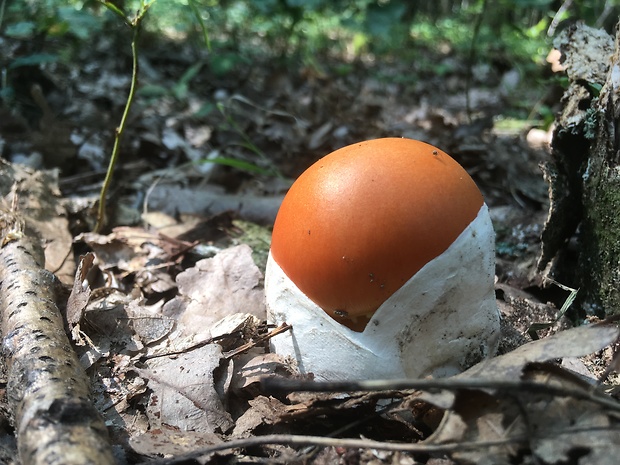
(101, 217)
(2, 7)
(198, 16)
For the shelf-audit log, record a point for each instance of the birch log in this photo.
(47, 389)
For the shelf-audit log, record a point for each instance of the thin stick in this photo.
(302, 440)
(281, 385)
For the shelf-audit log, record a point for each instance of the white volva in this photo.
(443, 320)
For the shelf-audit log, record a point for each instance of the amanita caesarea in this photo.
(383, 261)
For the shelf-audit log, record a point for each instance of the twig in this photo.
(302, 440)
(239, 350)
(557, 18)
(281, 385)
(253, 343)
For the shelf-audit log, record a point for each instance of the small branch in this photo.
(239, 350)
(302, 440)
(259, 340)
(273, 385)
(557, 18)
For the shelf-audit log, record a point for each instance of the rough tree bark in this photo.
(47, 389)
(584, 173)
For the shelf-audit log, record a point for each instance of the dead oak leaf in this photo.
(186, 391)
(217, 287)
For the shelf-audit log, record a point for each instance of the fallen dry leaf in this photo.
(251, 367)
(186, 391)
(216, 287)
(263, 411)
(80, 294)
(169, 441)
(554, 427)
(148, 322)
(574, 342)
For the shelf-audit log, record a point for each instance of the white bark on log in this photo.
(48, 391)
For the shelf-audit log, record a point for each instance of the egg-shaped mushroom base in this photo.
(442, 321)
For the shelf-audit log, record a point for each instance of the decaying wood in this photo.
(47, 389)
(584, 173)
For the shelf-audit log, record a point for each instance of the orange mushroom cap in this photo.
(360, 222)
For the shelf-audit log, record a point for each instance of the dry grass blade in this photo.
(48, 391)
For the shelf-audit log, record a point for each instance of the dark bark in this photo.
(584, 173)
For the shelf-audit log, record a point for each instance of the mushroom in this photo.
(382, 260)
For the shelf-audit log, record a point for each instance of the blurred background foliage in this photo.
(337, 34)
(305, 27)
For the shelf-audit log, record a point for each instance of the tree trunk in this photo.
(584, 174)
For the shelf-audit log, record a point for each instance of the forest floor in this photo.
(181, 226)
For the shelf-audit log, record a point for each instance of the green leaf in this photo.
(33, 60)
(532, 331)
(205, 110)
(153, 91)
(239, 164)
(380, 19)
(180, 89)
(80, 23)
(21, 30)
(594, 88)
(117, 11)
(198, 16)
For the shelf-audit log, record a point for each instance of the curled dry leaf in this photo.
(80, 294)
(129, 249)
(574, 342)
(263, 411)
(232, 329)
(251, 367)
